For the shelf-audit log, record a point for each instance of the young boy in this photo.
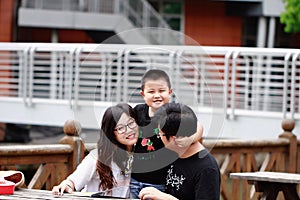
(151, 159)
(195, 174)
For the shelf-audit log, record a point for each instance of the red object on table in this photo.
(6, 187)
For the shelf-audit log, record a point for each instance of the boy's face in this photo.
(156, 93)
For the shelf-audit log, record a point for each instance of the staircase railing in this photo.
(139, 12)
(143, 15)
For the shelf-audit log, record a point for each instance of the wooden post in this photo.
(2, 131)
(288, 125)
(72, 129)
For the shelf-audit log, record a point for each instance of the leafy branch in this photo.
(291, 17)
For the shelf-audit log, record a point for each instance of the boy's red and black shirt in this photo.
(150, 157)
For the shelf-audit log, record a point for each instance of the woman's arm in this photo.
(80, 177)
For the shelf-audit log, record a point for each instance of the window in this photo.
(171, 11)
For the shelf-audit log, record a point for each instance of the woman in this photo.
(107, 168)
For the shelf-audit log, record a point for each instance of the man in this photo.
(195, 174)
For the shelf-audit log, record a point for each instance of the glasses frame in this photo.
(125, 126)
(161, 134)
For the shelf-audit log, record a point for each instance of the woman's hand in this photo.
(151, 193)
(64, 186)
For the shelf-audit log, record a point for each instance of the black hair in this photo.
(155, 74)
(176, 119)
(109, 148)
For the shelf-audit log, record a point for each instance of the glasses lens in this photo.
(121, 129)
(131, 124)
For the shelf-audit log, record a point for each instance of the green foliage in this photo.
(291, 16)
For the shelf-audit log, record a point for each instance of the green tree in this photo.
(291, 17)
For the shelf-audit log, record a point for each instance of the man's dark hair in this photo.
(176, 119)
(155, 74)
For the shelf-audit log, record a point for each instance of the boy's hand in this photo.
(184, 142)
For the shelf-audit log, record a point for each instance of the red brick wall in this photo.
(207, 23)
(74, 36)
(44, 35)
(6, 20)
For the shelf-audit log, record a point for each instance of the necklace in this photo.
(129, 162)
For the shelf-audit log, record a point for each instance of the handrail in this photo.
(92, 76)
(139, 12)
(35, 149)
(55, 161)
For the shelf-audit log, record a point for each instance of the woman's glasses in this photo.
(122, 128)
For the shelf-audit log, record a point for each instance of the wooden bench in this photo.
(271, 183)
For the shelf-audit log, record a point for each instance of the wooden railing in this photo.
(280, 155)
(56, 161)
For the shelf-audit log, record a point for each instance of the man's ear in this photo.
(173, 137)
(170, 91)
(172, 141)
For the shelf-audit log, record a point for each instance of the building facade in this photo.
(249, 23)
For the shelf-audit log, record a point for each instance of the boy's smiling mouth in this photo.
(157, 101)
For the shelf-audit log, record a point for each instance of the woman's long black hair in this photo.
(109, 149)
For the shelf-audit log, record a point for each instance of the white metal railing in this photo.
(243, 81)
(139, 12)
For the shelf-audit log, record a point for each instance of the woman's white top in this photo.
(86, 179)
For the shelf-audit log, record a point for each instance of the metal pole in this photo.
(271, 35)
(261, 32)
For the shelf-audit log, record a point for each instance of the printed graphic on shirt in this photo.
(174, 180)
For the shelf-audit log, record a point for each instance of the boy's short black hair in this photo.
(176, 119)
(155, 74)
